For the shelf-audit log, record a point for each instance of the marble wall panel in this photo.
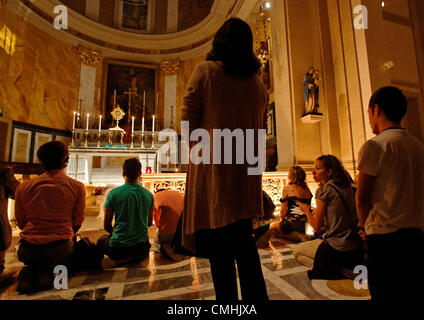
(39, 82)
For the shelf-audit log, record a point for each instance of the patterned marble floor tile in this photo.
(95, 277)
(303, 284)
(94, 294)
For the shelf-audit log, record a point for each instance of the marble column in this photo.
(170, 69)
(358, 57)
(88, 91)
(371, 58)
(282, 79)
(295, 48)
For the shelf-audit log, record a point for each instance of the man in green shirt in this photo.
(132, 206)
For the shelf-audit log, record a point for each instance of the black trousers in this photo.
(138, 251)
(229, 245)
(329, 262)
(395, 264)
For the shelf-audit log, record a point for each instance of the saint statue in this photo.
(311, 91)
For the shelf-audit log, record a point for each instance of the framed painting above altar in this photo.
(140, 78)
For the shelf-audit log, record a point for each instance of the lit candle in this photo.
(73, 122)
(142, 125)
(100, 123)
(144, 98)
(132, 128)
(88, 120)
(114, 98)
(153, 129)
(309, 230)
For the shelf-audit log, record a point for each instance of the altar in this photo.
(104, 165)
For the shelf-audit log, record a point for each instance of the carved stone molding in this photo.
(170, 66)
(88, 56)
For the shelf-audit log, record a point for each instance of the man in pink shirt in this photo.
(169, 205)
(49, 210)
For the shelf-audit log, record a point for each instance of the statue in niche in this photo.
(311, 91)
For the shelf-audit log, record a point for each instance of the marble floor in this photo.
(158, 278)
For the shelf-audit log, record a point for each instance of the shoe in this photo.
(25, 284)
(7, 278)
(348, 273)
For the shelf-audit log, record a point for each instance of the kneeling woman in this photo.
(292, 219)
(335, 207)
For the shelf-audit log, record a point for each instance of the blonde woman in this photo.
(291, 217)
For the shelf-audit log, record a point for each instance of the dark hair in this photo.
(392, 101)
(233, 45)
(161, 189)
(53, 155)
(339, 173)
(299, 176)
(132, 168)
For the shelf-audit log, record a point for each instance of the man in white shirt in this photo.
(390, 202)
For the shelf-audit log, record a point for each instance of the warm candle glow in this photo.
(153, 129)
(100, 123)
(142, 125)
(132, 127)
(309, 230)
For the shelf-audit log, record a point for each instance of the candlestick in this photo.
(153, 129)
(73, 121)
(88, 120)
(153, 140)
(132, 127)
(157, 103)
(100, 123)
(86, 139)
(73, 138)
(142, 125)
(132, 140)
(142, 140)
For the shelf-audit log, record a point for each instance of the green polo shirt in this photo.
(131, 204)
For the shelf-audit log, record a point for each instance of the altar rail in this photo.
(272, 183)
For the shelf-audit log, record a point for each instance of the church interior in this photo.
(107, 76)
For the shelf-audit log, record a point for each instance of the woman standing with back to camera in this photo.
(225, 92)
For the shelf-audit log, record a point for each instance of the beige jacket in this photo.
(219, 194)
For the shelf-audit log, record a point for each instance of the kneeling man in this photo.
(132, 206)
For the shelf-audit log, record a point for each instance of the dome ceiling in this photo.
(185, 36)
